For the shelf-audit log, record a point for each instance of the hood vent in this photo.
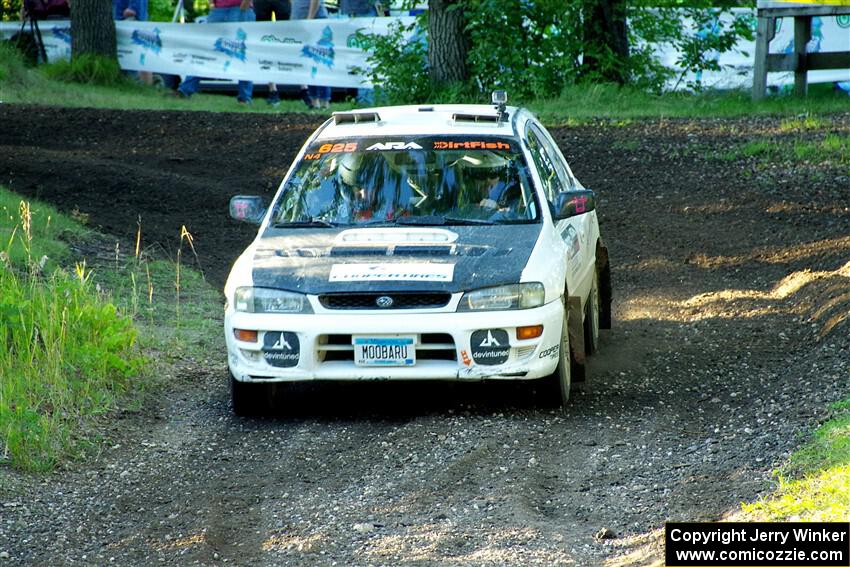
(491, 118)
(359, 251)
(355, 117)
(422, 251)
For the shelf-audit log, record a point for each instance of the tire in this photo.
(560, 380)
(245, 397)
(591, 317)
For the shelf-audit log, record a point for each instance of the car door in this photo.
(556, 178)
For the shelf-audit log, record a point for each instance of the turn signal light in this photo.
(530, 332)
(245, 335)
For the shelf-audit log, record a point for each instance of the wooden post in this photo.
(800, 61)
(802, 35)
(764, 33)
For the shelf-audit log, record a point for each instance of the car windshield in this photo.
(421, 181)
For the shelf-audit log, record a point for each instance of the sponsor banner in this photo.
(418, 272)
(293, 52)
(325, 52)
(828, 34)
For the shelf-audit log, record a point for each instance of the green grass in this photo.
(176, 323)
(802, 124)
(78, 342)
(815, 483)
(66, 353)
(50, 231)
(576, 105)
(831, 148)
(582, 103)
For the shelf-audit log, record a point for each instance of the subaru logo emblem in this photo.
(384, 301)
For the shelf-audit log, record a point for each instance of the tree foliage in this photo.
(537, 49)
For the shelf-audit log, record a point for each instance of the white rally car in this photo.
(447, 242)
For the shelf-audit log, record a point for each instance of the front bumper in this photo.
(443, 352)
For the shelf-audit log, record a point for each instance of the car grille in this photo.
(432, 346)
(370, 300)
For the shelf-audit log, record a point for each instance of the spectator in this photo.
(224, 11)
(130, 10)
(267, 11)
(317, 97)
(133, 10)
(362, 9)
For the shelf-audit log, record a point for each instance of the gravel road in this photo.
(732, 293)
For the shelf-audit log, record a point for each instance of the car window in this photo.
(552, 182)
(557, 159)
(416, 180)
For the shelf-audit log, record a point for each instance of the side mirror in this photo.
(247, 208)
(571, 203)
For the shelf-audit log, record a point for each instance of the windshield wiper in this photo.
(305, 223)
(454, 220)
(435, 220)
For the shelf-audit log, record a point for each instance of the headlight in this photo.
(265, 300)
(515, 296)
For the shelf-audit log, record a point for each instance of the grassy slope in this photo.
(74, 338)
(815, 482)
(66, 354)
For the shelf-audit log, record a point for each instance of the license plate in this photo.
(384, 351)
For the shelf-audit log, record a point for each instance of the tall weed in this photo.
(66, 353)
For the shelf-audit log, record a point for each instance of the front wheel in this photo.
(248, 399)
(559, 380)
(591, 317)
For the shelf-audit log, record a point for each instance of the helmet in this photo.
(349, 167)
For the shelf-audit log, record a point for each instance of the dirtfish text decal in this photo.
(323, 52)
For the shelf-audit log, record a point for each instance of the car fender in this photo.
(547, 263)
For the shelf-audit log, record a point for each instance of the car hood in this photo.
(451, 259)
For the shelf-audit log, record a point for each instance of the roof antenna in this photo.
(500, 100)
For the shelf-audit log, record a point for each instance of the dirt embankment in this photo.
(731, 282)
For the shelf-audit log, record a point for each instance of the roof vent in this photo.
(458, 117)
(355, 117)
(426, 109)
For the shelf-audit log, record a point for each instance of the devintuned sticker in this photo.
(413, 272)
(281, 349)
(490, 346)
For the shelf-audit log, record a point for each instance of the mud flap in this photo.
(603, 268)
(576, 329)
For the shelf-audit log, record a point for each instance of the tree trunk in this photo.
(448, 41)
(92, 28)
(606, 40)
